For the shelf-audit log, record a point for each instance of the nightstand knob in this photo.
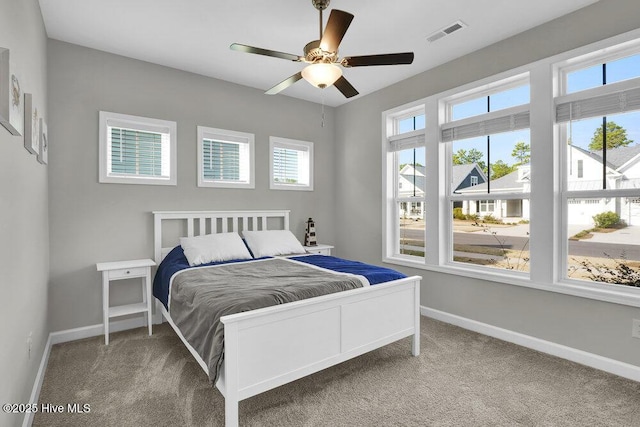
(128, 272)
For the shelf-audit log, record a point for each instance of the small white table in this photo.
(319, 249)
(119, 270)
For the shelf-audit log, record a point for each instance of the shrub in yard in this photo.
(607, 220)
(457, 214)
(472, 217)
(490, 219)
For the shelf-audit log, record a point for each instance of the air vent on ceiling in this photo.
(449, 29)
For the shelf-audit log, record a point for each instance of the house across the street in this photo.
(622, 171)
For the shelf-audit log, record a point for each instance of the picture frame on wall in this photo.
(31, 125)
(11, 96)
(43, 151)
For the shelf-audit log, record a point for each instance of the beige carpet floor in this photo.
(460, 379)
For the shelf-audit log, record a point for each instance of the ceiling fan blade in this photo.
(345, 87)
(336, 27)
(265, 52)
(384, 59)
(284, 84)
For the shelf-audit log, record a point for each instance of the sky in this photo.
(581, 131)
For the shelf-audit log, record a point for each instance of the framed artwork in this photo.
(11, 99)
(43, 152)
(31, 125)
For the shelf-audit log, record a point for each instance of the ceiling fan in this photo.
(322, 56)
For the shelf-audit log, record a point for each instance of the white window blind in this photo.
(136, 153)
(286, 162)
(595, 103)
(407, 140)
(506, 120)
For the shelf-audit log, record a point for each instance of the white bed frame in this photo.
(272, 346)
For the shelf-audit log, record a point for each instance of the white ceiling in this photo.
(194, 35)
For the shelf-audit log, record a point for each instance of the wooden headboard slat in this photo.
(251, 220)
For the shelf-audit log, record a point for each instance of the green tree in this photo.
(500, 169)
(521, 152)
(462, 157)
(616, 137)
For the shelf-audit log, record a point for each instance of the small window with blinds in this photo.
(225, 158)
(136, 150)
(291, 164)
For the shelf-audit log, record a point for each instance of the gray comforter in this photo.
(200, 297)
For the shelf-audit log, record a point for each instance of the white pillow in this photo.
(272, 243)
(214, 247)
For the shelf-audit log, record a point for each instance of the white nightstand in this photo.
(139, 268)
(319, 249)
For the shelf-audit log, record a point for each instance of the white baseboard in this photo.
(606, 364)
(95, 330)
(37, 385)
(72, 335)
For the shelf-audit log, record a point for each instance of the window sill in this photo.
(290, 187)
(606, 293)
(137, 180)
(237, 185)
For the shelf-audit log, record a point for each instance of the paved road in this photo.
(576, 247)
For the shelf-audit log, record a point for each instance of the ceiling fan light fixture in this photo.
(321, 74)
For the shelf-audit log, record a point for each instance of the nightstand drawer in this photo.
(127, 272)
(319, 249)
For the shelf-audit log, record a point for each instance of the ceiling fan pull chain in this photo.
(322, 124)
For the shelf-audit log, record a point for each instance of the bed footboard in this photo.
(270, 347)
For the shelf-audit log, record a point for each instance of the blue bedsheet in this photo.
(373, 273)
(176, 261)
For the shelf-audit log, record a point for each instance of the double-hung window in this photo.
(225, 158)
(598, 111)
(290, 164)
(136, 150)
(406, 192)
(486, 132)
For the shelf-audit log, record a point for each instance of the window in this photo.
(486, 131)
(406, 158)
(580, 168)
(225, 158)
(572, 122)
(290, 164)
(598, 109)
(136, 150)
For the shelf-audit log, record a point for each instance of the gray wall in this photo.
(589, 325)
(92, 222)
(24, 229)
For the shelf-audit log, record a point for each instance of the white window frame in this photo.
(488, 202)
(247, 157)
(306, 168)
(548, 233)
(392, 200)
(567, 197)
(144, 124)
